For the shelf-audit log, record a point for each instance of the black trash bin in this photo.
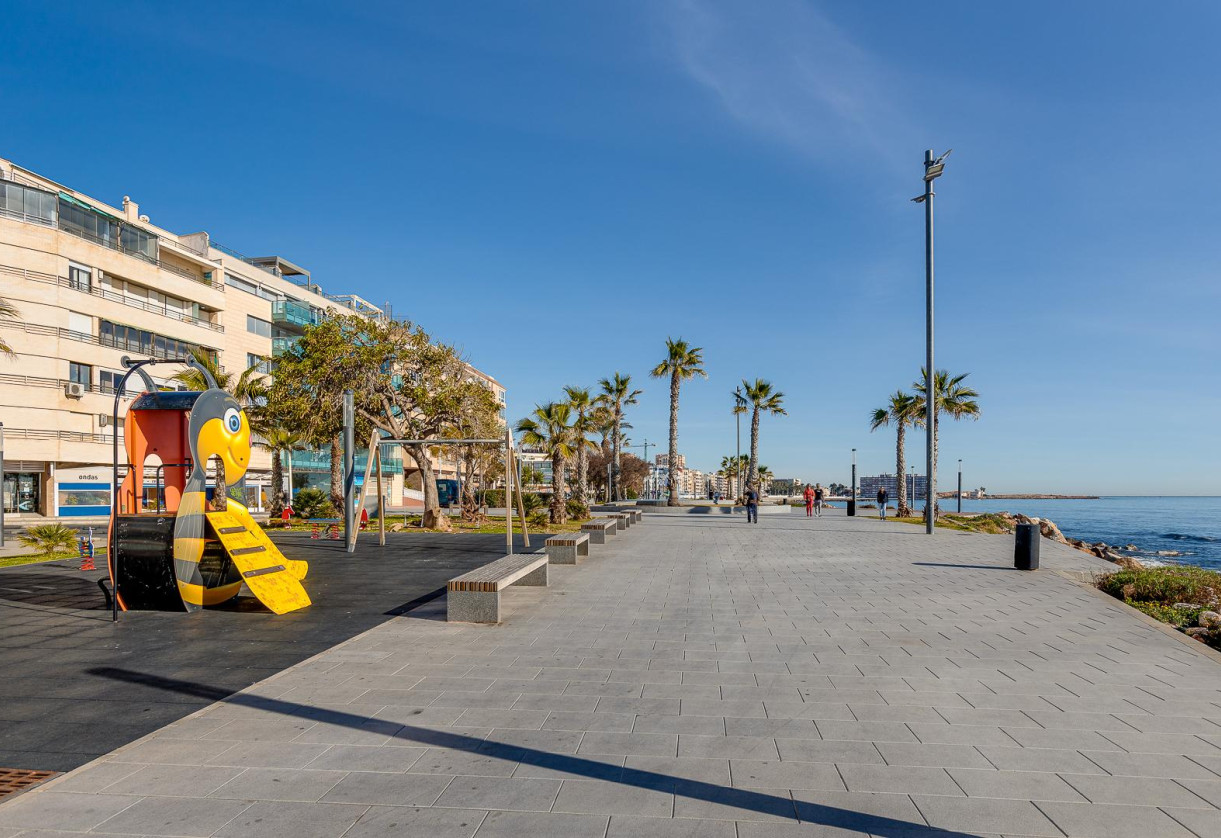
(1026, 547)
(851, 508)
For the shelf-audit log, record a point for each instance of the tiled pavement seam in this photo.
(703, 677)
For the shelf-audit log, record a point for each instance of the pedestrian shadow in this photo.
(744, 799)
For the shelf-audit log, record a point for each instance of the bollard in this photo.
(1026, 547)
(851, 508)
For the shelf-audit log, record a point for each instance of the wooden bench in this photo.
(598, 530)
(622, 520)
(474, 597)
(565, 549)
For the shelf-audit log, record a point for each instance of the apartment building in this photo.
(93, 283)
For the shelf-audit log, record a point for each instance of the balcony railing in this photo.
(134, 302)
(281, 345)
(289, 313)
(321, 461)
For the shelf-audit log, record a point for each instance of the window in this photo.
(108, 381)
(80, 278)
(249, 287)
(138, 242)
(257, 326)
(90, 225)
(80, 373)
(29, 204)
(258, 362)
(145, 343)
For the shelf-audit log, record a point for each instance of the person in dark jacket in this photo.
(883, 499)
(752, 505)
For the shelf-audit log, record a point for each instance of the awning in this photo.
(64, 196)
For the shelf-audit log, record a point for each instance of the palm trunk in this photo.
(277, 485)
(673, 470)
(337, 473)
(220, 494)
(558, 489)
(752, 473)
(582, 466)
(901, 471)
(617, 440)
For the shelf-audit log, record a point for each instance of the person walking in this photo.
(752, 505)
(808, 494)
(818, 496)
(883, 499)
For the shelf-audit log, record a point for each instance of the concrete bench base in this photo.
(599, 530)
(566, 549)
(622, 520)
(475, 597)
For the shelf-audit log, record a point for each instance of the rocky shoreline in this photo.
(1113, 553)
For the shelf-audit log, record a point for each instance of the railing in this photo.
(293, 314)
(281, 345)
(93, 340)
(64, 282)
(66, 436)
(30, 219)
(57, 383)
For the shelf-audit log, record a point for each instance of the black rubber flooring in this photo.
(60, 703)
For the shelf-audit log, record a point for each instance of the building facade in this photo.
(92, 283)
(917, 487)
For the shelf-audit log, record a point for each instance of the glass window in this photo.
(139, 242)
(241, 284)
(80, 373)
(31, 204)
(80, 278)
(257, 326)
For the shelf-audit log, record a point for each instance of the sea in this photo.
(1185, 530)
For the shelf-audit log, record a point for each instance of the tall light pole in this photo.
(854, 481)
(739, 406)
(960, 484)
(912, 493)
(932, 170)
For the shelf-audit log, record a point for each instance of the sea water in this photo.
(1158, 526)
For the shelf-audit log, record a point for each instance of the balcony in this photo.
(281, 345)
(320, 461)
(293, 315)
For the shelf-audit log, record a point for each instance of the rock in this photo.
(1210, 620)
(1200, 634)
(1129, 563)
(1186, 606)
(1131, 547)
(1168, 553)
(1050, 530)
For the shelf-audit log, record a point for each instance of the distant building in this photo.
(786, 486)
(917, 486)
(664, 460)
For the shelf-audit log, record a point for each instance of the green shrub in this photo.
(1167, 614)
(49, 538)
(539, 518)
(493, 498)
(577, 510)
(313, 503)
(532, 502)
(1165, 585)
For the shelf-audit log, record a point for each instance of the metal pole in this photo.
(738, 445)
(289, 452)
(854, 474)
(381, 500)
(349, 470)
(960, 484)
(930, 377)
(508, 492)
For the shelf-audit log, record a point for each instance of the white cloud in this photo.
(786, 72)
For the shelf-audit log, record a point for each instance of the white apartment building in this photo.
(93, 283)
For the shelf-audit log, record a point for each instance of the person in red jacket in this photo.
(808, 494)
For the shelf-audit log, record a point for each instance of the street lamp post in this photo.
(738, 406)
(932, 170)
(960, 484)
(912, 492)
(1, 480)
(852, 505)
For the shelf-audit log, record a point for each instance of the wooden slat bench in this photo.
(474, 597)
(622, 520)
(637, 515)
(565, 549)
(599, 529)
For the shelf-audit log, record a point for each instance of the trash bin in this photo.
(1026, 547)
(851, 508)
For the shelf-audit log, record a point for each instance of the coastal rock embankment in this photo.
(1047, 528)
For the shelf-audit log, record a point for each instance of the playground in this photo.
(78, 686)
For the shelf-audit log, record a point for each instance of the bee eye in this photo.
(233, 420)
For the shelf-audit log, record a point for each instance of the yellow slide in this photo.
(275, 580)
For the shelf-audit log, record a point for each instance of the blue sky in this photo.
(558, 186)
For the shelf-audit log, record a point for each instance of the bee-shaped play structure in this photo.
(178, 555)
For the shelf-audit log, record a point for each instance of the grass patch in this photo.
(1157, 591)
(943, 522)
(35, 558)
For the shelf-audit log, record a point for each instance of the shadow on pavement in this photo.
(744, 799)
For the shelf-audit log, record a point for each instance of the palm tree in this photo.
(280, 440)
(250, 391)
(8, 311)
(760, 398)
(617, 394)
(765, 478)
(732, 466)
(682, 362)
(548, 427)
(581, 402)
(903, 409)
(954, 399)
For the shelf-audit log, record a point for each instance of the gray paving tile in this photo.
(618, 722)
(1093, 820)
(1018, 817)
(174, 816)
(394, 760)
(942, 756)
(280, 784)
(1173, 766)
(696, 725)
(898, 779)
(1136, 791)
(882, 814)
(1210, 790)
(629, 826)
(1018, 785)
(613, 798)
(507, 793)
(94, 778)
(268, 754)
(278, 819)
(726, 747)
(62, 810)
(753, 774)
(866, 731)
(366, 787)
(1039, 759)
(643, 744)
(542, 825)
(735, 804)
(174, 780)
(453, 761)
(801, 750)
(1203, 822)
(388, 821)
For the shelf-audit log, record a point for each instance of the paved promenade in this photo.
(702, 677)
